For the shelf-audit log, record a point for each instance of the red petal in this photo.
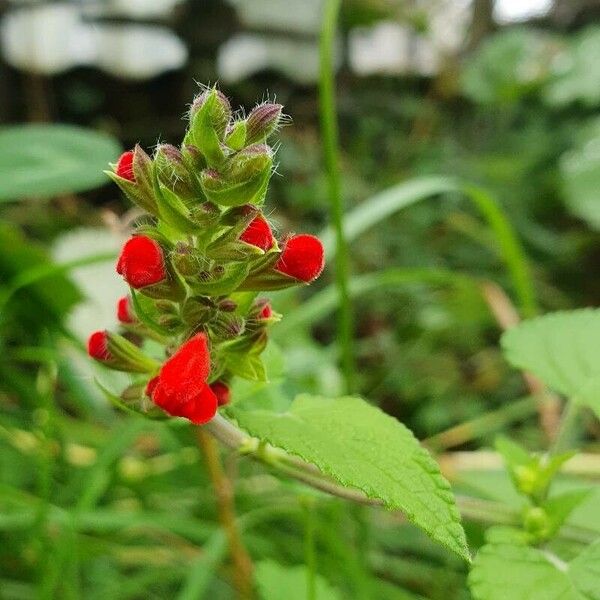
(258, 234)
(98, 346)
(222, 392)
(124, 310)
(202, 408)
(185, 373)
(302, 258)
(141, 262)
(125, 166)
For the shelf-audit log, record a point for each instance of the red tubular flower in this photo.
(124, 312)
(266, 312)
(302, 258)
(222, 392)
(259, 234)
(141, 262)
(98, 346)
(180, 388)
(124, 167)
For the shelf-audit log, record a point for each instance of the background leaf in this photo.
(563, 349)
(533, 574)
(276, 582)
(362, 447)
(42, 161)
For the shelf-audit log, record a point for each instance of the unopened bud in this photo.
(118, 353)
(228, 326)
(172, 172)
(209, 117)
(186, 260)
(133, 174)
(227, 305)
(246, 180)
(262, 122)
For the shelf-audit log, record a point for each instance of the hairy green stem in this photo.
(329, 131)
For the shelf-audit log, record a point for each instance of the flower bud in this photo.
(228, 305)
(141, 262)
(228, 326)
(172, 172)
(186, 260)
(246, 180)
(118, 353)
(133, 174)
(195, 311)
(124, 166)
(302, 258)
(97, 346)
(125, 313)
(222, 392)
(262, 122)
(259, 234)
(266, 312)
(220, 108)
(209, 116)
(143, 266)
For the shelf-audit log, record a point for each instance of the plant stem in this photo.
(567, 429)
(309, 551)
(475, 509)
(242, 562)
(329, 132)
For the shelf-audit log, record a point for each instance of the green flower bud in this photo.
(262, 122)
(209, 117)
(245, 181)
(173, 172)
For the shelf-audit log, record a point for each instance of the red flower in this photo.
(98, 346)
(180, 388)
(125, 166)
(124, 313)
(259, 234)
(141, 262)
(266, 311)
(222, 392)
(302, 258)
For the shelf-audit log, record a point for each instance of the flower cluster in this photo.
(196, 263)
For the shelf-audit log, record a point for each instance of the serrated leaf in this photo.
(562, 349)
(276, 582)
(361, 447)
(42, 161)
(513, 571)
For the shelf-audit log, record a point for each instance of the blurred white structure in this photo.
(52, 38)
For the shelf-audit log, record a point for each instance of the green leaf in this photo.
(276, 582)
(361, 447)
(559, 507)
(510, 570)
(562, 349)
(42, 161)
(580, 173)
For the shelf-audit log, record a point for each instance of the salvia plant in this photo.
(198, 266)
(197, 263)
